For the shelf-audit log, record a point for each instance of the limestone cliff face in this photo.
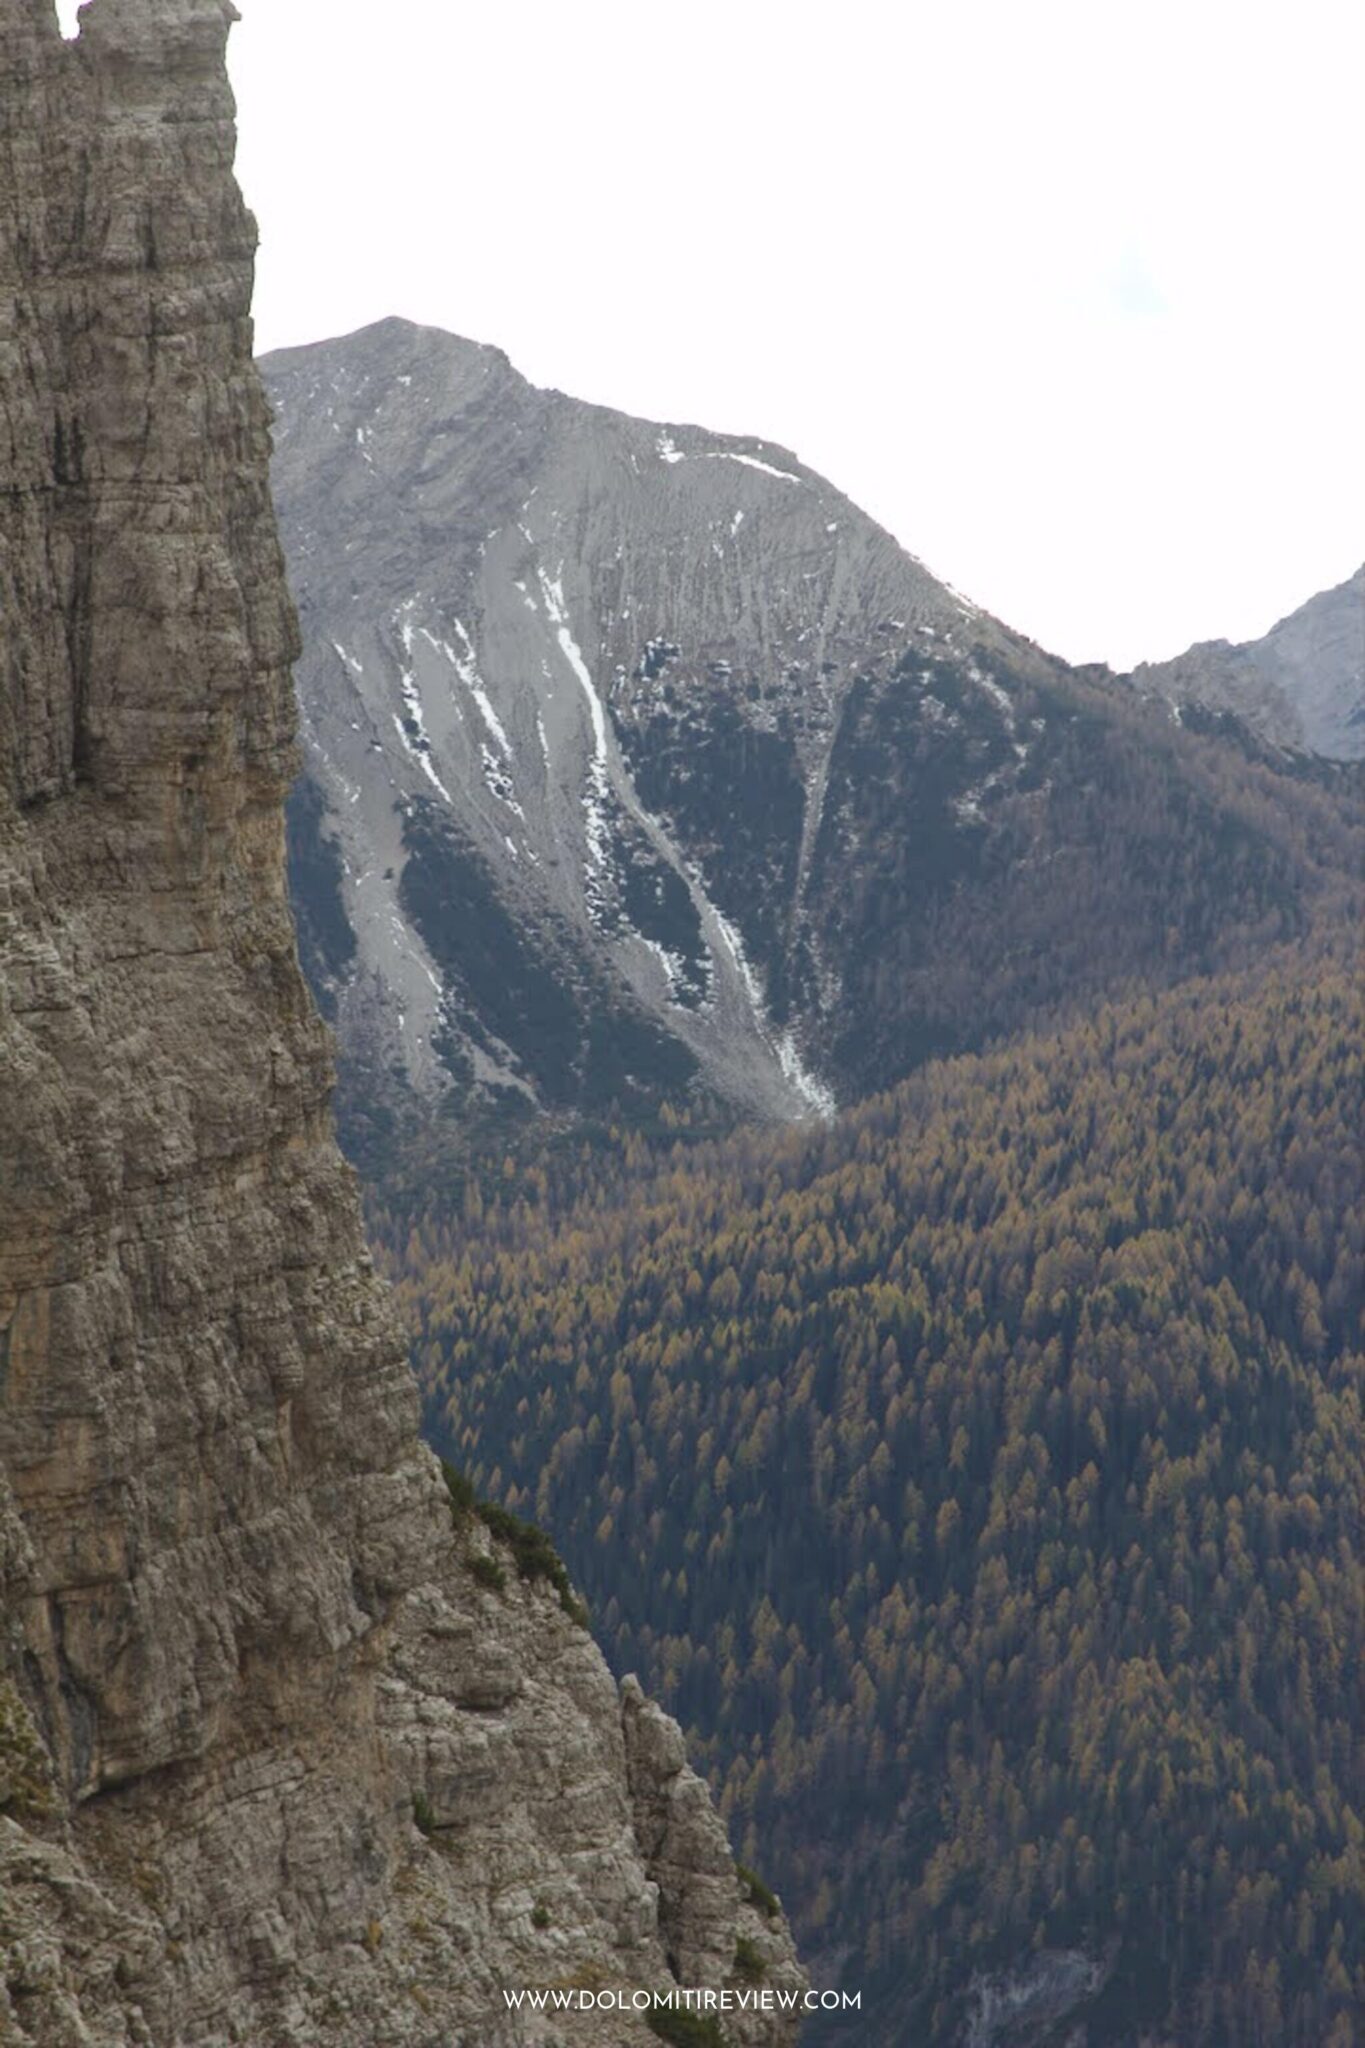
(243, 1650)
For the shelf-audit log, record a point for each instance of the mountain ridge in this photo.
(1302, 684)
(643, 764)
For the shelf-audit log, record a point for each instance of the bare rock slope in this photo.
(287, 1752)
(489, 576)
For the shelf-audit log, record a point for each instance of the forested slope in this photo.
(980, 1479)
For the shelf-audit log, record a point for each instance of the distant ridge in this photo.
(1301, 685)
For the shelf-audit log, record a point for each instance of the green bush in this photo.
(461, 1491)
(756, 1893)
(533, 1554)
(422, 1813)
(25, 1778)
(749, 1959)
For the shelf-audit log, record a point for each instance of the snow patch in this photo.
(419, 753)
(596, 792)
(412, 730)
(997, 695)
(466, 668)
(673, 964)
(936, 711)
(668, 449)
(496, 771)
(812, 1090)
(498, 781)
(1003, 703)
(735, 948)
(552, 590)
(807, 1085)
(750, 462)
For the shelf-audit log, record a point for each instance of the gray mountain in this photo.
(1302, 685)
(506, 596)
(639, 759)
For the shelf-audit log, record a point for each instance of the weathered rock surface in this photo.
(242, 1650)
(1301, 685)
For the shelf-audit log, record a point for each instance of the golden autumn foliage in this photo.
(980, 1480)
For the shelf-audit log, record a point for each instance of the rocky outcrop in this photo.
(1301, 685)
(285, 1756)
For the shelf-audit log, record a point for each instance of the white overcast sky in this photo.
(1068, 293)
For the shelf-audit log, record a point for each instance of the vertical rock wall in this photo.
(242, 1650)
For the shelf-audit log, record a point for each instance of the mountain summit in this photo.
(569, 690)
(640, 760)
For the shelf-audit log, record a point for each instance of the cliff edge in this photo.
(288, 1752)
